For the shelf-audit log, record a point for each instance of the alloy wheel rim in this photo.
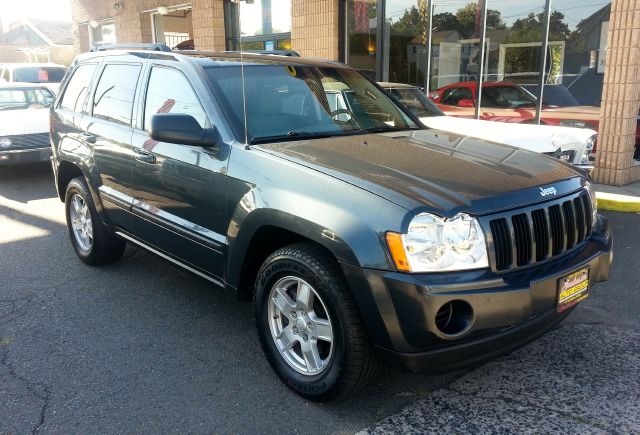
(300, 326)
(81, 222)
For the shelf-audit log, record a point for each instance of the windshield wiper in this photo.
(294, 135)
(381, 129)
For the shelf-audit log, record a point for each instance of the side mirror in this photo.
(183, 129)
(465, 102)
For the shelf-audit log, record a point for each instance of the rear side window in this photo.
(170, 92)
(113, 100)
(76, 91)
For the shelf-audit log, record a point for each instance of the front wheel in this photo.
(309, 326)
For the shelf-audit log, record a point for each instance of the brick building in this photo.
(591, 49)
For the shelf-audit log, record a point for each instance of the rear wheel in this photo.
(309, 326)
(93, 242)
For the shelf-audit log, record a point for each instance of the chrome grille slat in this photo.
(25, 141)
(539, 233)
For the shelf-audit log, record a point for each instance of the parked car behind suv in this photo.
(46, 74)
(355, 233)
(24, 123)
(570, 144)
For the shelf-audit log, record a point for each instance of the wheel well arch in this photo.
(266, 240)
(67, 171)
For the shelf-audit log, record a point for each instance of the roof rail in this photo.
(275, 52)
(139, 46)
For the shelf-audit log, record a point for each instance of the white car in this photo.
(47, 74)
(570, 144)
(24, 123)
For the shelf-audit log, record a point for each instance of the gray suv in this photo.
(357, 233)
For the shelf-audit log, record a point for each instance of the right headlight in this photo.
(594, 202)
(5, 142)
(435, 244)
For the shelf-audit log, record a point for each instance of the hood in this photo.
(544, 139)
(537, 138)
(24, 121)
(428, 170)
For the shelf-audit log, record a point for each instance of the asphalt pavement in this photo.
(143, 346)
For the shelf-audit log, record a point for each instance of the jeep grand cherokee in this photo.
(357, 233)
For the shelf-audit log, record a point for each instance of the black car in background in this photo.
(357, 233)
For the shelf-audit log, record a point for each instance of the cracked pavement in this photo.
(142, 346)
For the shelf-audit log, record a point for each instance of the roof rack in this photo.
(274, 52)
(140, 46)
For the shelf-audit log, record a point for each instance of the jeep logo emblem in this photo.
(548, 191)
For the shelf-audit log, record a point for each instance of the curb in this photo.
(616, 202)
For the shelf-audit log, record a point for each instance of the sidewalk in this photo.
(623, 198)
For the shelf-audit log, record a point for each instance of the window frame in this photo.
(145, 90)
(98, 77)
(61, 95)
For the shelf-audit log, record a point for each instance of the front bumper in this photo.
(508, 310)
(20, 156)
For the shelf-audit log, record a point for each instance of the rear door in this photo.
(108, 128)
(179, 190)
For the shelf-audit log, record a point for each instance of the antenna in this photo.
(244, 96)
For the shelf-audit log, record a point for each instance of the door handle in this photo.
(88, 137)
(145, 157)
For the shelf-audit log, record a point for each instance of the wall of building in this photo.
(621, 97)
(314, 28)
(133, 25)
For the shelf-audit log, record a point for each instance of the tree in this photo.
(466, 17)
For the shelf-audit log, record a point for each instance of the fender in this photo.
(342, 230)
(74, 152)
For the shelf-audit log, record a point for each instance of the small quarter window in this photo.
(76, 92)
(113, 100)
(169, 91)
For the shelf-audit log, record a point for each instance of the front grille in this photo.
(536, 234)
(26, 141)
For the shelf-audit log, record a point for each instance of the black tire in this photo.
(353, 362)
(105, 246)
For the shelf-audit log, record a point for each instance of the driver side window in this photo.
(169, 91)
(452, 96)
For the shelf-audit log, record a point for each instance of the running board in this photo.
(173, 260)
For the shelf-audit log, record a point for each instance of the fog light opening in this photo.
(454, 318)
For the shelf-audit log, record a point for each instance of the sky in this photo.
(56, 10)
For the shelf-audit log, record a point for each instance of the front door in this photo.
(179, 190)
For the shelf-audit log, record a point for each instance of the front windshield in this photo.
(31, 98)
(416, 101)
(39, 74)
(288, 102)
(507, 97)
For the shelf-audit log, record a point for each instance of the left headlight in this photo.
(5, 142)
(594, 202)
(435, 244)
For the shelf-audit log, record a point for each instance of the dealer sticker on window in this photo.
(573, 289)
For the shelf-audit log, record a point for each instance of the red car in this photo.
(509, 102)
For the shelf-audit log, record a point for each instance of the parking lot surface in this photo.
(143, 346)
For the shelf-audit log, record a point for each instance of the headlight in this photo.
(594, 202)
(5, 142)
(573, 123)
(435, 244)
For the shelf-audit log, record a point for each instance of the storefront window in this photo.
(258, 25)
(585, 40)
(407, 29)
(361, 39)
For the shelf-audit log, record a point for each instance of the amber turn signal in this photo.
(396, 248)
